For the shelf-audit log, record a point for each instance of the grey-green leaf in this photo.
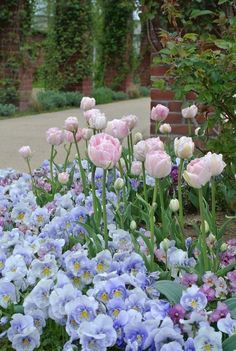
(231, 303)
(173, 291)
(230, 344)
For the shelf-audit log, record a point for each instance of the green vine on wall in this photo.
(68, 49)
(115, 49)
(15, 19)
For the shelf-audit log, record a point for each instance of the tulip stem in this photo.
(213, 200)
(94, 193)
(181, 213)
(152, 234)
(31, 174)
(104, 207)
(121, 169)
(203, 231)
(189, 128)
(158, 123)
(67, 156)
(144, 183)
(162, 204)
(129, 151)
(154, 198)
(51, 163)
(132, 146)
(82, 173)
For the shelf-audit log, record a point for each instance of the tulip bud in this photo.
(119, 184)
(199, 132)
(87, 103)
(190, 112)
(174, 205)
(25, 152)
(206, 225)
(165, 128)
(133, 225)
(138, 137)
(63, 178)
(165, 244)
(122, 163)
(224, 247)
(71, 124)
(136, 168)
(183, 147)
(211, 240)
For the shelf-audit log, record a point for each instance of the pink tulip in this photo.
(140, 150)
(55, 136)
(158, 164)
(96, 119)
(25, 152)
(190, 112)
(131, 121)
(68, 137)
(136, 168)
(71, 124)
(104, 150)
(79, 134)
(87, 103)
(159, 113)
(63, 178)
(86, 133)
(154, 144)
(198, 173)
(117, 128)
(215, 163)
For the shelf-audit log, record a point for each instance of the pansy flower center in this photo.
(84, 314)
(77, 266)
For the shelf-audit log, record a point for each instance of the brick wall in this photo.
(166, 97)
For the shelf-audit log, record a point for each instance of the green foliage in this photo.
(119, 95)
(229, 343)
(102, 95)
(49, 100)
(12, 13)
(7, 110)
(181, 16)
(144, 91)
(68, 48)
(208, 68)
(115, 50)
(173, 291)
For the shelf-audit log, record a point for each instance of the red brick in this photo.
(175, 118)
(161, 95)
(180, 129)
(159, 70)
(175, 106)
(154, 103)
(191, 96)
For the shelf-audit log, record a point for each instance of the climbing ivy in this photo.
(68, 51)
(115, 49)
(15, 19)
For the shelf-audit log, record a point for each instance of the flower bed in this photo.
(94, 254)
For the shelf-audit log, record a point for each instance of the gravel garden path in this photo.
(30, 130)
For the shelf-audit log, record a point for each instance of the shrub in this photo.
(144, 91)
(102, 95)
(120, 95)
(7, 110)
(73, 98)
(49, 100)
